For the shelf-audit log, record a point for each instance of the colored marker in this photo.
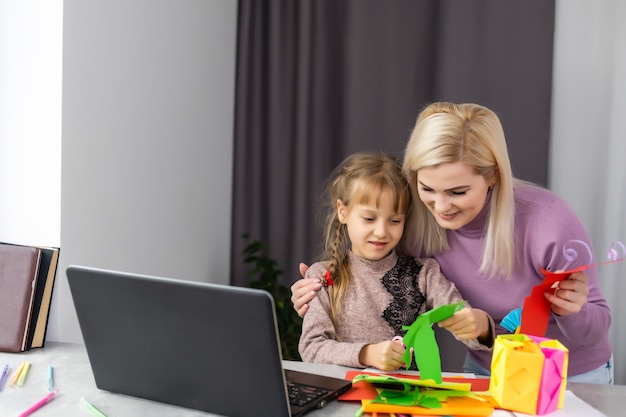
(16, 375)
(3, 377)
(45, 400)
(50, 380)
(92, 408)
(22, 378)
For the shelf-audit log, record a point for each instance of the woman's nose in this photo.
(441, 203)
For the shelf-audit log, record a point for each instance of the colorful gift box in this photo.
(528, 373)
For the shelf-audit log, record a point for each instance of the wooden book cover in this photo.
(43, 297)
(19, 267)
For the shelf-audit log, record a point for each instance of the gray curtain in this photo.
(320, 79)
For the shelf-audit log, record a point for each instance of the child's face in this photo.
(374, 231)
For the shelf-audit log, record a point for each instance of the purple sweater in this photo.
(544, 223)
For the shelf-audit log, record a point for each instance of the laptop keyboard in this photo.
(300, 395)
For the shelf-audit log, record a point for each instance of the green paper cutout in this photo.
(427, 401)
(421, 334)
(405, 399)
(427, 357)
(443, 311)
(392, 393)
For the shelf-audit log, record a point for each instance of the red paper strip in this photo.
(536, 310)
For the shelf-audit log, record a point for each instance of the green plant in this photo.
(266, 271)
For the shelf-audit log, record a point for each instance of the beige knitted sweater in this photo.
(382, 297)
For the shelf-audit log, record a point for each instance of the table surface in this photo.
(74, 379)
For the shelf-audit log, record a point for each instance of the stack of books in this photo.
(27, 276)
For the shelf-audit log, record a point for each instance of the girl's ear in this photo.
(342, 211)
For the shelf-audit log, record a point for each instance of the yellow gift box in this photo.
(517, 373)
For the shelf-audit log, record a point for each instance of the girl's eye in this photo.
(426, 189)
(458, 192)
(368, 219)
(396, 221)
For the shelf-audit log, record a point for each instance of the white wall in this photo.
(588, 144)
(30, 121)
(141, 180)
(148, 105)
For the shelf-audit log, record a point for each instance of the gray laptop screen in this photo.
(198, 345)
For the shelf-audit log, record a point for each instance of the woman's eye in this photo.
(458, 192)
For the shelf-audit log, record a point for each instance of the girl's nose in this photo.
(380, 230)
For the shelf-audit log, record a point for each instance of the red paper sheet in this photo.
(536, 310)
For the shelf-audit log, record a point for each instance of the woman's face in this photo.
(453, 193)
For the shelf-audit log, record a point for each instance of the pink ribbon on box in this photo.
(554, 376)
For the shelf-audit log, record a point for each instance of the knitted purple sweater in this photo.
(544, 223)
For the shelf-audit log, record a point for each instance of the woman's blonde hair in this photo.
(472, 134)
(360, 179)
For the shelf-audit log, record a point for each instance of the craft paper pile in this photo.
(414, 396)
(528, 373)
(428, 394)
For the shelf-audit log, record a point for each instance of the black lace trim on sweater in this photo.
(401, 282)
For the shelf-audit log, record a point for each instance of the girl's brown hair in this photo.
(361, 178)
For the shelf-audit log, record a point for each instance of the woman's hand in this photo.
(386, 355)
(468, 324)
(570, 294)
(303, 291)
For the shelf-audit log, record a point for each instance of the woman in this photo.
(492, 234)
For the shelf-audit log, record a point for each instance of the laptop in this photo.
(197, 345)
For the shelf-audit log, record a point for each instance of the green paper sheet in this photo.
(421, 337)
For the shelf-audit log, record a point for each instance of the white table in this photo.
(73, 377)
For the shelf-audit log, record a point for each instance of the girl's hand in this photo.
(303, 291)
(467, 324)
(386, 355)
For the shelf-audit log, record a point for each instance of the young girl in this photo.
(371, 288)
